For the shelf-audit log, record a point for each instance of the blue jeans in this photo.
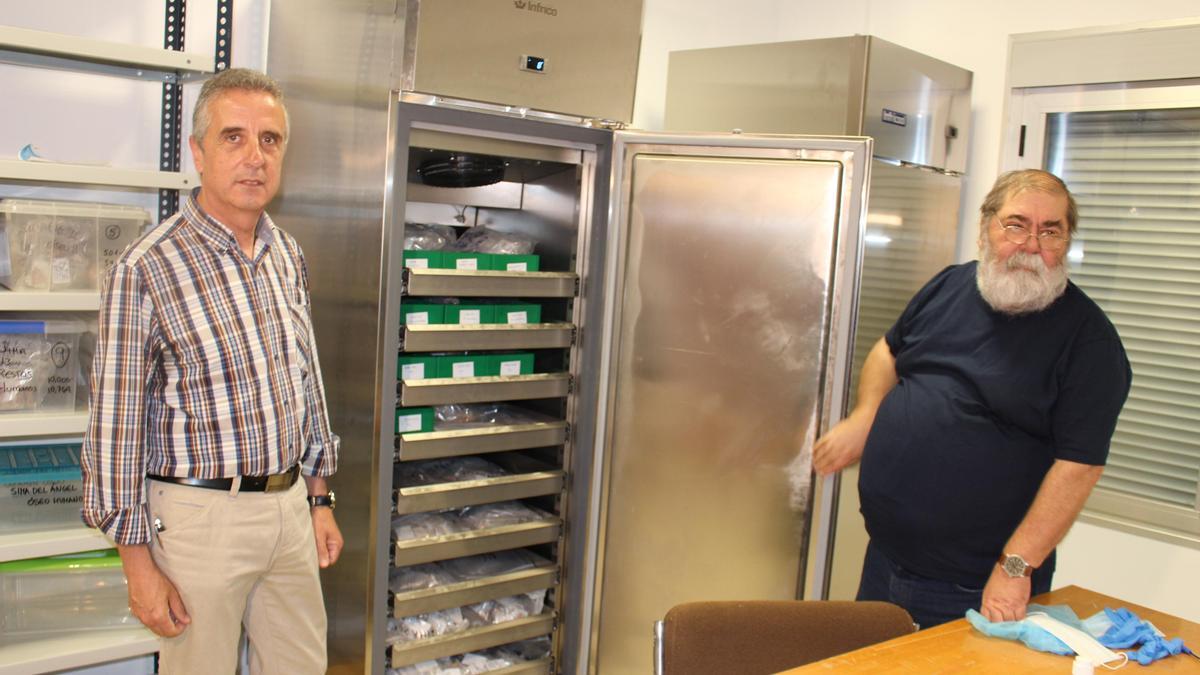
(930, 602)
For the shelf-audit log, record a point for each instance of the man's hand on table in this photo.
(1005, 597)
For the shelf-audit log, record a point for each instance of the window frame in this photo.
(1024, 148)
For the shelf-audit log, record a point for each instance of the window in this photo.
(1131, 156)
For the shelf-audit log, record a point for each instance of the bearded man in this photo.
(983, 418)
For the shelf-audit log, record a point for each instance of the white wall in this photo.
(975, 36)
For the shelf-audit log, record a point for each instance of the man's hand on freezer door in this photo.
(842, 445)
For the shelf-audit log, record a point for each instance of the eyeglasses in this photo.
(1050, 240)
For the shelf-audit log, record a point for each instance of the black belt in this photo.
(272, 483)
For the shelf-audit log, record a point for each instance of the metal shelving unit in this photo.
(170, 66)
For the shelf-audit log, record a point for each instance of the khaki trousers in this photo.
(240, 559)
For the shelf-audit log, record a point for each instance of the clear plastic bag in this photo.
(474, 663)
(422, 237)
(499, 514)
(491, 564)
(428, 625)
(26, 364)
(446, 471)
(468, 414)
(503, 610)
(525, 650)
(484, 239)
(417, 577)
(425, 525)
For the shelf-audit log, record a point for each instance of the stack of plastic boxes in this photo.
(63, 246)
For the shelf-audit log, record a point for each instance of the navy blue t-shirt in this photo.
(984, 405)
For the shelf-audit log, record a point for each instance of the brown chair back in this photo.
(759, 637)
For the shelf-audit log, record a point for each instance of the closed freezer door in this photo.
(725, 304)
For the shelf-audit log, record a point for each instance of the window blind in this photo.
(1136, 177)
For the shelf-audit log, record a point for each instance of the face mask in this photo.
(1083, 644)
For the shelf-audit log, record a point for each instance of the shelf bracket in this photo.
(172, 115)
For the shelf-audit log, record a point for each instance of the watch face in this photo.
(1015, 566)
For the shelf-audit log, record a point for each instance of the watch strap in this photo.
(321, 500)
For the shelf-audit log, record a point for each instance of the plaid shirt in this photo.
(205, 367)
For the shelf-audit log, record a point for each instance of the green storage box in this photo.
(513, 364)
(416, 367)
(412, 420)
(466, 260)
(470, 313)
(421, 313)
(422, 259)
(466, 365)
(511, 262)
(518, 312)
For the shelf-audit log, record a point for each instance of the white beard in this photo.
(1021, 284)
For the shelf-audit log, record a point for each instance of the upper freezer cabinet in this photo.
(609, 348)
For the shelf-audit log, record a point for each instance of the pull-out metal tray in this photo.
(443, 390)
(471, 640)
(475, 590)
(458, 544)
(456, 442)
(459, 337)
(476, 283)
(479, 491)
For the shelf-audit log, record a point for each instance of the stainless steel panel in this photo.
(476, 590)
(472, 640)
(476, 542)
(426, 282)
(473, 49)
(737, 268)
(334, 200)
(482, 491)
(441, 391)
(934, 98)
(828, 86)
(435, 444)
(432, 338)
(809, 86)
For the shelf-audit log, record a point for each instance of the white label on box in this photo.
(417, 263)
(408, 423)
(417, 318)
(510, 367)
(468, 316)
(412, 371)
(60, 271)
(516, 267)
(466, 264)
(464, 369)
(518, 317)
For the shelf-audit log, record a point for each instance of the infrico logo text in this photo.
(535, 7)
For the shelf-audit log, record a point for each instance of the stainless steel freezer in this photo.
(917, 109)
(696, 292)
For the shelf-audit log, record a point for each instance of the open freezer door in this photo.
(732, 278)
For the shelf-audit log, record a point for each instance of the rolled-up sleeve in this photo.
(113, 457)
(321, 451)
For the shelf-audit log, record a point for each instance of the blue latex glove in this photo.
(1034, 637)
(1127, 630)
(1156, 648)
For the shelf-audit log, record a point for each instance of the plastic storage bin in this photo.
(39, 362)
(63, 594)
(63, 246)
(40, 486)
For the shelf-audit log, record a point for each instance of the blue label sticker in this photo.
(893, 117)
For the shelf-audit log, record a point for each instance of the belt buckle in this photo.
(279, 481)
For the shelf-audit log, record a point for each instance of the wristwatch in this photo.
(1015, 566)
(322, 500)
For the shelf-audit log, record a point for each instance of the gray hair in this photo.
(243, 79)
(1012, 182)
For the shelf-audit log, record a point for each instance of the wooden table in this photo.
(956, 647)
